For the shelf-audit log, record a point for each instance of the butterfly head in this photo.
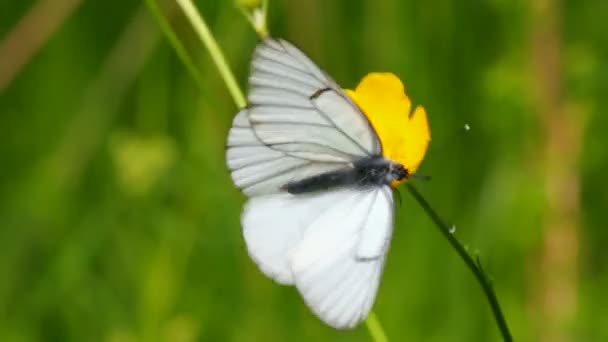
(397, 172)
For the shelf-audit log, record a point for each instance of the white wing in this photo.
(299, 123)
(258, 169)
(294, 107)
(331, 245)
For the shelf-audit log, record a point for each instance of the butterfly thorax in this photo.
(371, 171)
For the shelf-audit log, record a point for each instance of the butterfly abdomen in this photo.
(367, 172)
(324, 181)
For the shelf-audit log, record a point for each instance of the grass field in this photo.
(119, 220)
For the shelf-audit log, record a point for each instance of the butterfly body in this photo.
(365, 173)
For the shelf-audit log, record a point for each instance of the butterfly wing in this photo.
(258, 169)
(299, 123)
(294, 107)
(331, 246)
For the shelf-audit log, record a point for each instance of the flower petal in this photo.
(404, 137)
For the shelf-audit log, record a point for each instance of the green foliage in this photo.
(119, 222)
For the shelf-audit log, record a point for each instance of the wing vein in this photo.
(327, 117)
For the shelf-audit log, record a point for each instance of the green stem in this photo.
(375, 328)
(201, 28)
(257, 23)
(474, 263)
(177, 45)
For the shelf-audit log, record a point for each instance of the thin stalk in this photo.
(201, 28)
(177, 45)
(257, 18)
(375, 328)
(472, 262)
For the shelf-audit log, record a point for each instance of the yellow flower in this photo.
(404, 134)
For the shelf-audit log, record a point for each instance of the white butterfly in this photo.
(320, 209)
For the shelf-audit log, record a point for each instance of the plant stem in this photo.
(257, 18)
(474, 263)
(177, 45)
(375, 328)
(201, 28)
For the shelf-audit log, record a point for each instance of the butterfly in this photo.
(319, 165)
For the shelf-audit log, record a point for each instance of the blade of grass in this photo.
(30, 34)
(257, 18)
(472, 262)
(177, 45)
(201, 28)
(375, 328)
(100, 101)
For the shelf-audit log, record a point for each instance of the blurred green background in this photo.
(119, 221)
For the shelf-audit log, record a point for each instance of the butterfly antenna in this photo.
(420, 176)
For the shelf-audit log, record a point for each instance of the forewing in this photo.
(259, 169)
(334, 269)
(292, 102)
